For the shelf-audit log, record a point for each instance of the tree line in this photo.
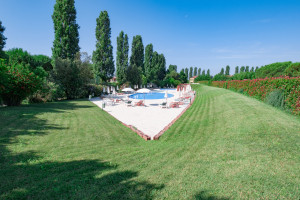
(70, 73)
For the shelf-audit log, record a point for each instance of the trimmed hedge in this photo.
(261, 88)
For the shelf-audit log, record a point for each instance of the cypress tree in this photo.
(148, 62)
(247, 69)
(208, 73)
(199, 71)
(256, 68)
(252, 69)
(222, 71)
(236, 70)
(103, 55)
(122, 57)
(161, 70)
(227, 71)
(242, 69)
(186, 71)
(203, 73)
(195, 71)
(137, 53)
(191, 72)
(2, 39)
(66, 40)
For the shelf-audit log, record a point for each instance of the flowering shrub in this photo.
(18, 82)
(260, 88)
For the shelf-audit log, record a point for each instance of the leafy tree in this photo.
(183, 77)
(72, 75)
(236, 70)
(122, 57)
(227, 71)
(252, 69)
(19, 56)
(66, 42)
(272, 70)
(256, 68)
(134, 74)
(137, 53)
(191, 72)
(195, 71)
(247, 69)
(103, 55)
(222, 71)
(2, 40)
(242, 69)
(203, 73)
(172, 68)
(148, 62)
(186, 71)
(293, 69)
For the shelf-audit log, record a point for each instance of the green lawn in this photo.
(226, 146)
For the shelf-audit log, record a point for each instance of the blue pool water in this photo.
(153, 95)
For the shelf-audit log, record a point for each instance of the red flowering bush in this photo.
(260, 88)
(18, 82)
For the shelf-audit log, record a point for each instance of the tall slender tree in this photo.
(208, 73)
(236, 70)
(252, 69)
(191, 72)
(136, 66)
(256, 68)
(186, 71)
(247, 69)
(137, 52)
(199, 71)
(203, 73)
(122, 57)
(103, 55)
(195, 71)
(242, 69)
(227, 71)
(2, 40)
(148, 62)
(66, 39)
(222, 71)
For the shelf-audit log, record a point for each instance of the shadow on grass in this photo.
(25, 176)
(203, 195)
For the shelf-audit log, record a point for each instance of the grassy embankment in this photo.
(225, 146)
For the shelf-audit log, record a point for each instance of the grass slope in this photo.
(226, 146)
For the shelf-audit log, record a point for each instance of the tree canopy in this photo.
(103, 55)
(66, 39)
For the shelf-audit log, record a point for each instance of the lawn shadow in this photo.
(203, 195)
(26, 176)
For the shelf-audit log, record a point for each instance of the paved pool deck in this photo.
(151, 119)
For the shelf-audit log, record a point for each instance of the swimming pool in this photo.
(152, 95)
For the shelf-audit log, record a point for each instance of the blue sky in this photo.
(204, 33)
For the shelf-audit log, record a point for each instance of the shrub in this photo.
(18, 82)
(276, 98)
(261, 88)
(72, 76)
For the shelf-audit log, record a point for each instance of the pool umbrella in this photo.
(114, 91)
(108, 90)
(117, 87)
(103, 89)
(166, 96)
(144, 91)
(127, 90)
